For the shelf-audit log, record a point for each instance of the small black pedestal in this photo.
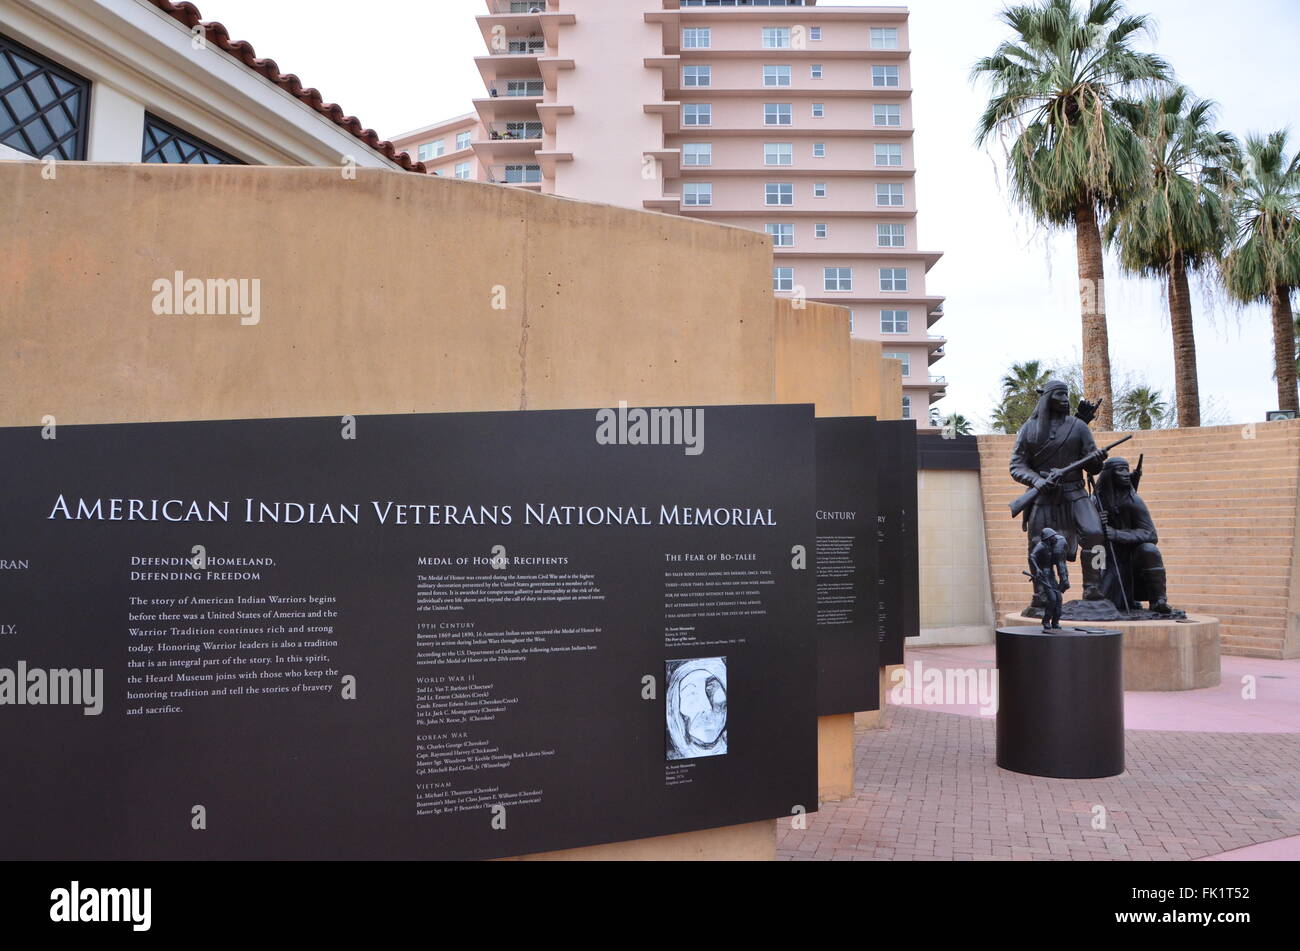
(1061, 702)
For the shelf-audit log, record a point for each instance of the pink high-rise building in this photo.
(776, 115)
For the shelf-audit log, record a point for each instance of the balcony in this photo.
(525, 175)
(502, 108)
(522, 21)
(525, 46)
(509, 140)
(514, 130)
(521, 87)
(504, 72)
(519, 7)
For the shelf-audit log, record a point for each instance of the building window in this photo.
(696, 38)
(697, 113)
(889, 155)
(893, 321)
(462, 140)
(814, 33)
(837, 278)
(528, 46)
(884, 38)
(43, 107)
(524, 87)
(697, 193)
(776, 75)
(463, 171)
(697, 75)
(697, 153)
(884, 76)
(891, 236)
(522, 174)
(819, 190)
(778, 193)
(818, 110)
(893, 278)
(783, 279)
(815, 71)
(890, 115)
(778, 113)
(163, 142)
(782, 235)
(778, 153)
(776, 38)
(904, 358)
(907, 407)
(527, 6)
(819, 150)
(889, 196)
(432, 150)
(821, 230)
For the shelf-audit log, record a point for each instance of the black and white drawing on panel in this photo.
(697, 707)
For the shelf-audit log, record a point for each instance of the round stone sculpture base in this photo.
(1061, 702)
(1161, 655)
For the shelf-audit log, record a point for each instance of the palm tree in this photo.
(1263, 261)
(1055, 84)
(1177, 223)
(1141, 408)
(1020, 388)
(956, 424)
(1022, 381)
(1006, 419)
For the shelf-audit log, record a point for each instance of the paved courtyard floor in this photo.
(1211, 774)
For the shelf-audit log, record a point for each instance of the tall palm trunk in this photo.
(1187, 389)
(1284, 349)
(1092, 298)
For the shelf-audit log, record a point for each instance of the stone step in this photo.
(1182, 574)
(1201, 470)
(1275, 603)
(1242, 640)
(1270, 653)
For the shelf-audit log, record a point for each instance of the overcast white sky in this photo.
(1011, 290)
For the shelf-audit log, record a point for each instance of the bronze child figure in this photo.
(1047, 566)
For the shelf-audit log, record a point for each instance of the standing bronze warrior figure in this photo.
(1050, 440)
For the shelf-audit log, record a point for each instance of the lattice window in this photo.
(43, 107)
(165, 143)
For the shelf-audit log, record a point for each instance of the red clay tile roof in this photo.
(187, 14)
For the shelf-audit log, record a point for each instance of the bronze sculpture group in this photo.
(1080, 498)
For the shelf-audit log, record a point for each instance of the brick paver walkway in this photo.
(928, 788)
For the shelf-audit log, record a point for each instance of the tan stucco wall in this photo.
(956, 597)
(1224, 500)
(377, 297)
